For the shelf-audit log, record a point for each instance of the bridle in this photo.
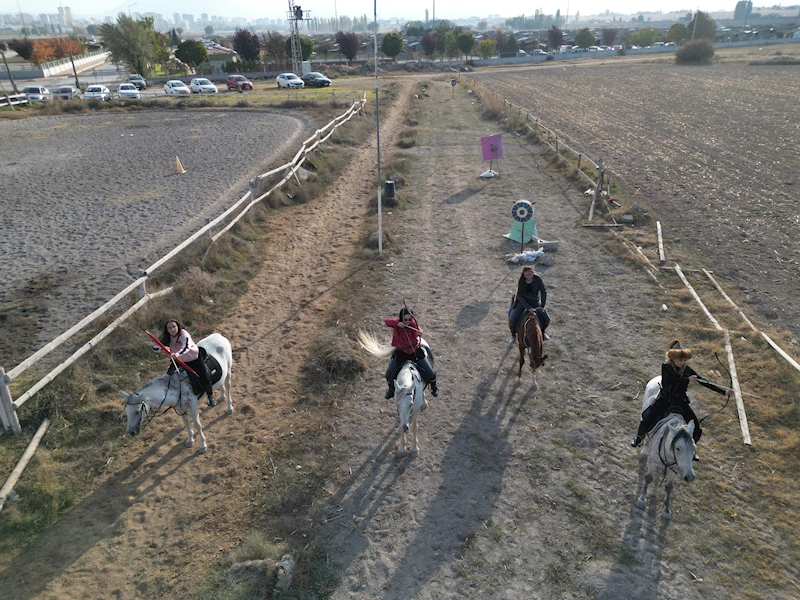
(143, 406)
(662, 452)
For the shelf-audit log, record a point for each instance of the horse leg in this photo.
(414, 417)
(201, 435)
(401, 449)
(189, 430)
(642, 500)
(226, 390)
(521, 355)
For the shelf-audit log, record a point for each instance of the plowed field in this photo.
(712, 151)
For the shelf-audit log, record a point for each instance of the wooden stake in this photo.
(23, 462)
(662, 259)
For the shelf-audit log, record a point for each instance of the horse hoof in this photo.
(229, 411)
(641, 503)
(189, 443)
(667, 515)
(401, 453)
(202, 450)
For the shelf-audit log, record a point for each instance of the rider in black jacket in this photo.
(531, 294)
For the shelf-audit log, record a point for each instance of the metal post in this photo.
(74, 71)
(378, 135)
(142, 286)
(7, 405)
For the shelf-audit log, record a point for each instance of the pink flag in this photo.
(492, 146)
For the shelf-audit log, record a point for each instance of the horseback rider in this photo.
(531, 295)
(676, 376)
(182, 346)
(406, 340)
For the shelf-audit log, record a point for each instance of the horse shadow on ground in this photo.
(472, 470)
(637, 571)
(95, 518)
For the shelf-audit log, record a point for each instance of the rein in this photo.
(662, 453)
(143, 406)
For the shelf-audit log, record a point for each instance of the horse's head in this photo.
(683, 448)
(136, 410)
(538, 361)
(404, 398)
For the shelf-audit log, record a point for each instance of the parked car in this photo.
(67, 92)
(175, 87)
(238, 82)
(521, 52)
(315, 79)
(97, 92)
(289, 80)
(137, 80)
(201, 85)
(128, 90)
(36, 93)
(539, 52)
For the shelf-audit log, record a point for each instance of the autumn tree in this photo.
(348, 44)
(392, 45)
(247, 45)
(555, 38)
(428, 42)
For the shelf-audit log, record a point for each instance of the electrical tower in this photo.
(295, 15)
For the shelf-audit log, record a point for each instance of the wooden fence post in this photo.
(579, 161)
(597, 190)
(555, 137)
(9, 412)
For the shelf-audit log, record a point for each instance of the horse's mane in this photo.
(371, 344)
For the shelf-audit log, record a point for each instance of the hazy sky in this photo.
(407, 9)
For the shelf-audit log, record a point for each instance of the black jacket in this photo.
(675, 383)
(528, 294)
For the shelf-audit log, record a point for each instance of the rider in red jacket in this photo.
(405, 338)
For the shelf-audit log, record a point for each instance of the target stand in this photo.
(524, 229)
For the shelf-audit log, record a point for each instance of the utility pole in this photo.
(378, 135)
(10, 77)
(74, 71)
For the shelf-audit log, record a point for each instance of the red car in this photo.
(238, 82)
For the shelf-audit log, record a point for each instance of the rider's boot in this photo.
(545, 336)
(434, 389)
(636, 442)
(513, 338)
(210, 393)
(390, 392)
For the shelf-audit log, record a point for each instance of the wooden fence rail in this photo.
(9, 406)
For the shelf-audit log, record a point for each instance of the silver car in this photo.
(128, 91)
(97, 92)
(67, 92)
(36, 93)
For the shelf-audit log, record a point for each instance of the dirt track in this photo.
(520, 490)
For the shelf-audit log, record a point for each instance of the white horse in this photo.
(175, 391)
(408, 391)
(669, 447)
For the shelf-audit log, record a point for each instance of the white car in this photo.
(97, 92)
(128, 90)
(289, 80)
(175, 87)
(200, 85)
(36, 93)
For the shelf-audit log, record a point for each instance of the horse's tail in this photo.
(373, 346)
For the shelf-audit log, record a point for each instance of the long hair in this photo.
(405, 311)
(165, 334)
(522, 275)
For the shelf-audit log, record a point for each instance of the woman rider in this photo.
(676, 376)
(182, 347)
(531, 294)
(405, 338)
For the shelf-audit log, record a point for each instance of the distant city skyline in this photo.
(406, 11)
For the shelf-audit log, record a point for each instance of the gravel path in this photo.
(90, 199)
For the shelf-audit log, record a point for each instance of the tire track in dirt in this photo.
(165, 517)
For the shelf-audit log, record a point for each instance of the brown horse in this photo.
(529, 337)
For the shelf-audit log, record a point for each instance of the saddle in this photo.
(214, 372)
(524, 315)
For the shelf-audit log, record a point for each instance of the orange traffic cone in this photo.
(178, 166)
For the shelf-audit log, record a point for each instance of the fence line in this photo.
(557, 146)
(8, 406)
(13, 100)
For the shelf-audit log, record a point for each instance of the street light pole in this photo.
(378, 135)
(129, 9)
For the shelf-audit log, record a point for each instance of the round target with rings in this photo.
(522, 211)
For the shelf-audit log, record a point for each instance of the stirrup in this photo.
(389, 394)
(636, 442)
(434, 390)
